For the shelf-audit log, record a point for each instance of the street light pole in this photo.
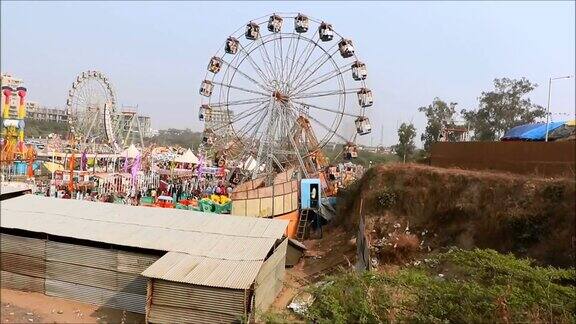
(548, 106)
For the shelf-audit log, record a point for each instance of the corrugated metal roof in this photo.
(187, 220)
(13, 187)
(185, 268)
(198, 234)
(204, 249)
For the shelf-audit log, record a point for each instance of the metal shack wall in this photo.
(98, 276)
(174, 302)
(22, 263)
(270, 278)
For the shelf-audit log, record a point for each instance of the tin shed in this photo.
(168, 262)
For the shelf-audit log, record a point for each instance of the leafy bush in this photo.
(386, 198)
(186, 138)
(457, 287)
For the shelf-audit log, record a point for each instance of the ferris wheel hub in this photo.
(280, 97)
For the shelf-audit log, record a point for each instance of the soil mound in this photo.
(409, 205)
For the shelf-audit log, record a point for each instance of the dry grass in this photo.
(528, 216)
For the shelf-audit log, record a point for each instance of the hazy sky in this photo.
(155, 53)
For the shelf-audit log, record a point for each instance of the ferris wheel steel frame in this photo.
(282, 88)
(93, 116)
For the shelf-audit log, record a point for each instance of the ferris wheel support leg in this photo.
(140, 132)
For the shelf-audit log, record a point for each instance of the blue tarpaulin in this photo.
(531, 132)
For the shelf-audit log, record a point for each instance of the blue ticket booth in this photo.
(310, 190)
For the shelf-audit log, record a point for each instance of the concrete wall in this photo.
(531, 158)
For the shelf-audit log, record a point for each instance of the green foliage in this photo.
(365, 158)
(270, 317)
(503, 108)
(386, 198)
(405, 148)
(459, 286)
(439, 115)
(37, 128)
(176, 137)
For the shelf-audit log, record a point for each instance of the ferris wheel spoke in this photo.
(240, 88)
(292, 62)
(263, 50)
(243, 115)
(83, 96)
(307, 74)
(307, 105)
(239, 102)
(323, 78)
(251, 125)
(92, 124)
(284, 58)
(329, 129)
(266, 60)
(254, 112)
(295, 147)
(324, 93)
(257, 139)
(260, 85)
(281, 60)
(309, 50)
(263, 75)
(285, 65)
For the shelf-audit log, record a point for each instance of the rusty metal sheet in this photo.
(87, 276)
(23, 245)
(169, 314)
(535, 158)
(21, 282)
(205, 303)
(23, 265)
(131, 262)
(81, 255)
(96, 296)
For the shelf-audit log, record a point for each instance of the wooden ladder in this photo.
(302, 224)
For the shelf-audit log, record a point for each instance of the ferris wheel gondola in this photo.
(279, 97)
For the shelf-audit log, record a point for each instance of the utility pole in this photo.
(549, 98)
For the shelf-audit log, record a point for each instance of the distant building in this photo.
(37, 112)
(455, 131)
(129, 119)
(217, 119)
(33, 109)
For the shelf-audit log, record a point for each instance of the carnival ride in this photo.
(12, 145)
(96, 123)
(274, 99)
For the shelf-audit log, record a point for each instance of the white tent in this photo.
(131, 152)
(187, 157)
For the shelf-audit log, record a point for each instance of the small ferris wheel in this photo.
(94, 118)
(90, 106)
(281, 88)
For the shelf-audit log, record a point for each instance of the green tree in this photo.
(406, 147)
(182, 137)
(503, 108)
(439, 115)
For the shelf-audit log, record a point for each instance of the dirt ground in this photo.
(333, 252)
(29, 307)
(528, 216)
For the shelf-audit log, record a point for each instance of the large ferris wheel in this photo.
(93, 115)
(281, 88)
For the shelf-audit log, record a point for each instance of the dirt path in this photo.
(28, 307)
